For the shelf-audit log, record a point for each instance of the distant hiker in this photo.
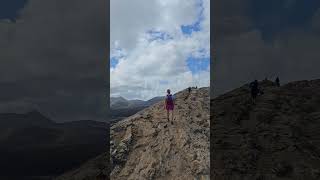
(196, 87)
(189, 89)
(169, 104)
(278, 81)
(254, 90)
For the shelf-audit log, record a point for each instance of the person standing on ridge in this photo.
(169, 105)
(278, 81)
(254, 90)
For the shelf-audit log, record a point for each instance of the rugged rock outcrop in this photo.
(277, 138)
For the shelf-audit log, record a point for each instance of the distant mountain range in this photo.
(34, 147)
(120, 102)
(122, 108)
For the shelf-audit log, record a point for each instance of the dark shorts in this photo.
(169, 107)
(254, 94)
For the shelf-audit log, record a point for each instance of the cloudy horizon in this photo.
(163, 44)
(53, 58)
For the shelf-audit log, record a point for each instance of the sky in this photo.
(53, 58)
(264, 39)
(9, 9)
(53, 53)
(158, 45)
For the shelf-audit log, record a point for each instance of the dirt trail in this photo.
(147, 146)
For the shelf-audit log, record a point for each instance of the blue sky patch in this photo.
(164, 82)
(158, 35)
(113, 62)
(198, 64)
(116, 55)
(9, 9)
(188, 29)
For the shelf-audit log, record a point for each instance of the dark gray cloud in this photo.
(246, 48)
(54, 58)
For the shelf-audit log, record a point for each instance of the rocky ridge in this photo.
(277, 138)
(146, 146)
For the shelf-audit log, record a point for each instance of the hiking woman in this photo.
(254, 90)
(169, 104)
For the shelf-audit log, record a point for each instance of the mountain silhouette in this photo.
(120, 102)
(146, 146)
(34, 147)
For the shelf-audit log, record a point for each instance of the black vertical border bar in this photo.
(107, 82)
(212, 59)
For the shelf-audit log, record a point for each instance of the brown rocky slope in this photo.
(277, 138)
(146, 146)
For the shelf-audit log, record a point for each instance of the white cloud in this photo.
(141, 73)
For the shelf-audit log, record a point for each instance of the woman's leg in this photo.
(172, 115)
(167, 114)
